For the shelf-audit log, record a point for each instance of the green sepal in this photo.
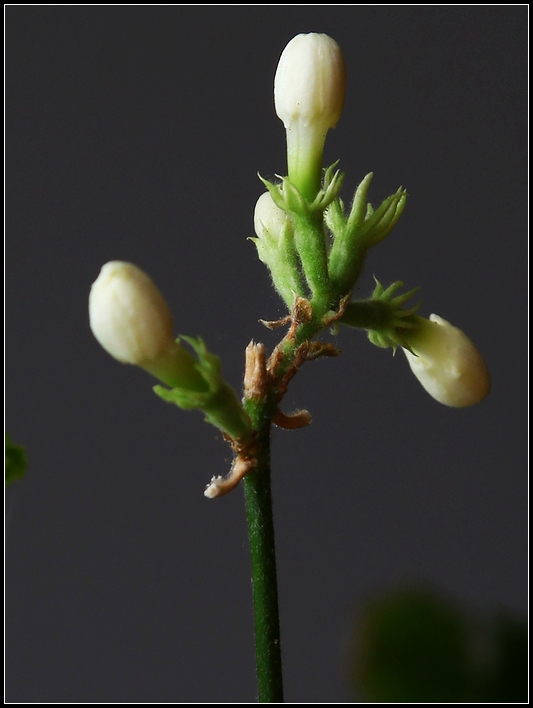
(360, 209)
(383, 316)
(279, 254)
(331, 186)
(287, 196)
(379, 223)
(219, 403)
(348, 251)
(16, 461)
(309, 235)
(334, 218)
(353, 235)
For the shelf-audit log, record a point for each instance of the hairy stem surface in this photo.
(264, 579)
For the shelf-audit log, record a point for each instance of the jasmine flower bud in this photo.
(132, 321)
(447, 363)
(275, 247)
(269, 220)
(309, 89)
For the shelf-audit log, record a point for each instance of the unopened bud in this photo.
(132, 321)
(269, 219)
(310, 82)
(447, 363)
(275, 247)
(309, 89)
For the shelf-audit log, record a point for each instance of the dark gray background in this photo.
(135, 133)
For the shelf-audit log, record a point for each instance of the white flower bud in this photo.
(269, 219)
(275, 247)
(309, 89)
(447, 364)
(132, 321)
(310, 82)
(128, 315)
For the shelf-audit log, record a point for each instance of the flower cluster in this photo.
(315, 251)
(309, 95)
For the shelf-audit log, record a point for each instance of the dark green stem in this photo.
(264, 579)
(258, 498)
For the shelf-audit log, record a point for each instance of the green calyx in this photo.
(354, 233)
(219, 401)
(327, 244)
(288, 197)
(383, 316)
(278, 253)
(306, 215)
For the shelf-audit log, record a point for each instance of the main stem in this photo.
(258, 498)
(261, 404)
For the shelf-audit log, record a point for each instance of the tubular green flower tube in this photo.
(446, 363)
(132, 321)
(309, 89)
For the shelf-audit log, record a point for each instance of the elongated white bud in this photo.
(269, 219)
(309, 89)
(132, 321)
(128, 315)
(310, 82)
(447, 363)
(275, 247)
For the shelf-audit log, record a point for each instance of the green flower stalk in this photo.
(446, 363)
(309, 89)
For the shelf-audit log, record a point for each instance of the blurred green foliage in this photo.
(505, 679)
(416, 647)
(15, 461)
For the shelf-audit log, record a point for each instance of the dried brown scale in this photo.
(331, 318)
(262, 379)
(244, 461)
(256, 383)
(302, 311)
(299, 356)
(318, 349)
(274, 324)
(294, 421)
